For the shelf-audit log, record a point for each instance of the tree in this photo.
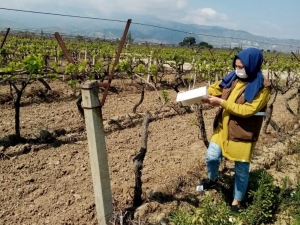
(79, 38)
(129, 38)
(203, 44)
(188, 41)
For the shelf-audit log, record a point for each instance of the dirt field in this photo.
(46, 184)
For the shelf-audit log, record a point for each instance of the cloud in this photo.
(154, 7)
(149, 7)
(177, 10)
(172, 10)
(209, 17)
(204, 16)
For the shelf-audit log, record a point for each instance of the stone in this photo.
(77, 196)
(160, 217)
(141, 211)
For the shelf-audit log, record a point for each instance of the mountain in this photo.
(148, 28)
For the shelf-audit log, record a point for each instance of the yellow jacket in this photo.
(236, 151)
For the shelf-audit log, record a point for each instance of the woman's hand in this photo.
(214, 101)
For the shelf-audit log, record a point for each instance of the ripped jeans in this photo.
(241, 170)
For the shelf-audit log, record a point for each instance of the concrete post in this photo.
(97, 151)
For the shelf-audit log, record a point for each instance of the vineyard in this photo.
(45, 174)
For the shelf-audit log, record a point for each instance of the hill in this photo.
(159, 31)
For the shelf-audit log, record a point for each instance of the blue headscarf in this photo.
(252, 60)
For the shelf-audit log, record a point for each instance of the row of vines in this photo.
(26, 59)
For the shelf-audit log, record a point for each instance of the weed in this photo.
(165, 96)
(292, 148)
(180, 217)
(292, 202)
(263, 202)
(210, 212)
(194, 122)
(263, 199)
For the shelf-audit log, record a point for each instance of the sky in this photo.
(269, 18)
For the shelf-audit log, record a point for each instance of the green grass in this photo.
(264, 201)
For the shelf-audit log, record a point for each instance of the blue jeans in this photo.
(241, 170)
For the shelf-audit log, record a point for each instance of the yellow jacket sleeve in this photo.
(249, 109)
(215, 89)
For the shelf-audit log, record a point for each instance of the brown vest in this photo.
(241, 129)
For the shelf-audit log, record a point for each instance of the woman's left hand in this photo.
(212, 100)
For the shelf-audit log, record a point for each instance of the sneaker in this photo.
(206, 184)
(235, 209)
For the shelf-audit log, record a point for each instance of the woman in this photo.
(242, 97)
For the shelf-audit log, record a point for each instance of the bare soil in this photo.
(47, 184)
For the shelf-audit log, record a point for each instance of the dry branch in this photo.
(134, 119)
(269, 113)
(141, 100)
(138, 162)
(200, 122)
(151, 86)
(287, 103)
(298, 101)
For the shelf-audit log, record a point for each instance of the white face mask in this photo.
(241, 74)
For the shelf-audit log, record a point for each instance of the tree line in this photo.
(191, 41)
